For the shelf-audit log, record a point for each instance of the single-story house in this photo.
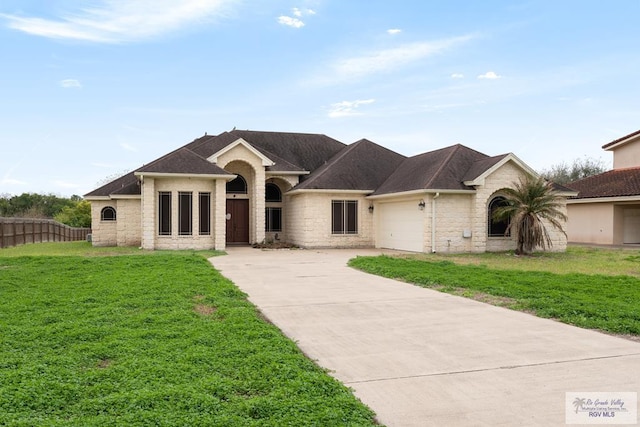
(607, 207)
(245, 187)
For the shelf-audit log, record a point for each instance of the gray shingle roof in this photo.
(126, 184)
(443, 169)
(614, 183)
(183, 161)
(362, 165)
(305, 150)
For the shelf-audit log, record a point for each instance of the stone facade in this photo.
(446, 221)
(309, 221)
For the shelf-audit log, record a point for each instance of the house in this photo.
(244, 187)
(607, 207)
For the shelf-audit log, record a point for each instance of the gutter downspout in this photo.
(433, 222)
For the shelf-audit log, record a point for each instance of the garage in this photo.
(400, 226)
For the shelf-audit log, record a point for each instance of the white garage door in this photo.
(631, 226)
(401, 226)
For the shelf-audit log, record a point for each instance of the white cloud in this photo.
(394, 31)
(11, 181)
(128, 147)
(291, 22)
(70, 83)
(116, 21)
(386, 60)
(297, 13)
(457, 76)
(348, 108)
(490, 75)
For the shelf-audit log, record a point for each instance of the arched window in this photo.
(497, 228)
(272, 193)
(108, 213)
(237, 186)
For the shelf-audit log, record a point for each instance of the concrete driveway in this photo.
(419, 357)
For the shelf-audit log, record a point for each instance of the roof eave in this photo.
(419, 192)
(226, 177)
(327, 191)
(271, 173)
(605, 199)
(621, 141)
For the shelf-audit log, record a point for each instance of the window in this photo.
(204, 213)
(273, 219)
(497, 228)
(272, 193)
(237, 186)
(344, 216)
(164, 213)
(185, 221)
(108, 214)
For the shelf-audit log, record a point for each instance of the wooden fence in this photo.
(19, 231)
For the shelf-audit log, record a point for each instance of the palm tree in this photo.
(529, 203)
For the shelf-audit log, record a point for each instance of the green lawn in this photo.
(149, 340)
(608, 302)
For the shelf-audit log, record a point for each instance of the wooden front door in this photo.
(237, 221)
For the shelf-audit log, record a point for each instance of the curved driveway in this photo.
(419, 357)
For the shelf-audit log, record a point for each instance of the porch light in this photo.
(371, 208)
(421, 204)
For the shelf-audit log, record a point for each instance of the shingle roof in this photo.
(126, 184)
(443, 169)
(183, 161)
(305, 150)
(362, 165)
(614, 183)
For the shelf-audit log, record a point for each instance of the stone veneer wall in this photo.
(129, 225)
(103, 233)
(241, 160)
(151, 188)
(309, 221)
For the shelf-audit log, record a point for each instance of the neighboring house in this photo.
(243, 187)
(607, 208)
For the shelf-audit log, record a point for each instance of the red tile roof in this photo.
(614, 183)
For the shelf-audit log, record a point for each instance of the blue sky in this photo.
(93, 88)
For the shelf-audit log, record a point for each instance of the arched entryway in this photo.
(237, 213)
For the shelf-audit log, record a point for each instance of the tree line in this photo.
(72, 211)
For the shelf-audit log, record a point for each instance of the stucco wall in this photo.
(590, 223)
(309, 221)
(627, 156)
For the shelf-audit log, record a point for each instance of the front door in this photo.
(237, 221)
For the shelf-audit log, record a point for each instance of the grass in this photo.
(544, 285)
(577, 259)
(160, 339)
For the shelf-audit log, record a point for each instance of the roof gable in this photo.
(614, 183)
(363, 165)
(241, 142)
(481, 169)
